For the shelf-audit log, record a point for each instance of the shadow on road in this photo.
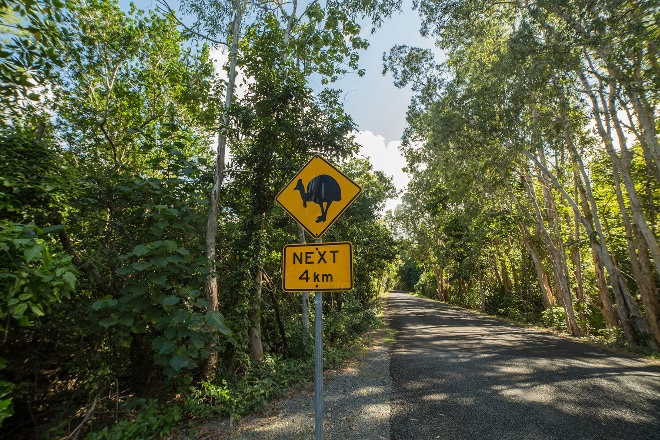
(460, 375)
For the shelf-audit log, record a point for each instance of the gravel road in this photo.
(457, 375)
(452, 374)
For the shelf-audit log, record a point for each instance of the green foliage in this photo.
(30, 36)
(340, 327)
(32, 276)
(28, 179)
(155, 301)
(554, 317)
(122, 162)
(499, 143)
(6, 401)
(426, 285)
(237, 395)
(408, 275)
(151, 422)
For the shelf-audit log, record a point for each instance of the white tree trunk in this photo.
(211, 283)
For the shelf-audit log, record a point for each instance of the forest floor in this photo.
(356, 404)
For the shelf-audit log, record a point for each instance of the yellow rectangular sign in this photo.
(317, 267)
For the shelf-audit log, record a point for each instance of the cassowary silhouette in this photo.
(321, 189)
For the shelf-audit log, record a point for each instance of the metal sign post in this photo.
(316, 197)
(318, 364)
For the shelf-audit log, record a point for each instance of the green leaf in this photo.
(179, 316)
(108, 322)
(103, 303)
(170, 332)
(170, 300)
(19, 310)
(37, 309)
(70, 279)
(159, 279)
(51, 229)
(140, 250)
(167, 347)
(141, 265)
(126, 318)
(178, 362)
(31, 252)
(127, 270)
(216, 321)
(152, 316)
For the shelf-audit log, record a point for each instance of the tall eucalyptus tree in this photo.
(321, 37)
(519, 73)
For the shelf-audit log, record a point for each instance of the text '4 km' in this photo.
(317, 267)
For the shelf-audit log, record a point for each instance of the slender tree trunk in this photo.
(254, 316)
(482, 295)
(278, 318)
(576, 258)
(541, 275)
(211, 283)
(640, 325)
(605, 304)
(438, 273)
(633, 323)
(636, 242)
(506, 279)
(645, 112)
(622, 165)
(558, 258)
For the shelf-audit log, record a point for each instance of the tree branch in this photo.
(168, 9)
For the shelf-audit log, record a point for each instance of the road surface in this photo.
(458, 375)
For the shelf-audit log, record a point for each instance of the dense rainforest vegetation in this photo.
(140, 244)
(141, 261)
(535, 162)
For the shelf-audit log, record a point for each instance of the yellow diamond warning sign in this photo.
(318, 195)
(317, 267)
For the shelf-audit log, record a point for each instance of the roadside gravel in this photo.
(356, 405)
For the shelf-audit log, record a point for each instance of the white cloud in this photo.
(384, 157)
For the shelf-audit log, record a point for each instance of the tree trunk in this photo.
(278, 318)
(634, 326)
(541, 275)
(604, 298)
(254, 316)
(645, 112)
(622, 164)
(439, 282)
(558, 258)
(576, 258)
(211, 283)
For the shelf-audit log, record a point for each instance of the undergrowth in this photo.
(235, 395)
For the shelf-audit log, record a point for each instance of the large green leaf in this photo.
(140, 250)
(108, 322)
(216, 321)
(170, 300)
(179, 361)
